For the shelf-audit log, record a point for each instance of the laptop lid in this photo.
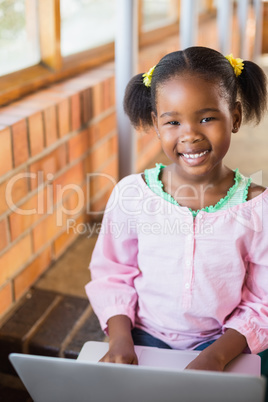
(50, 379)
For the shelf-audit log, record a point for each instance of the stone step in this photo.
(45, 323)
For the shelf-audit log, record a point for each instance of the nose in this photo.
(188, 134)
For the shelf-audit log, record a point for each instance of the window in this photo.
(158, 13)
(81, 25)
(19, 45)
(42, 41)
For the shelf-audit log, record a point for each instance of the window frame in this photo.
(53, 67)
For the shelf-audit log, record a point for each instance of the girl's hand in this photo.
(205, 362)
(121, 351)
(216, 356)
(121, 346)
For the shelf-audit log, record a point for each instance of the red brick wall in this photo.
(58, 157)
(49, 142)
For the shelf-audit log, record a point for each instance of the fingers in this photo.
(135, 361)
(130, 359)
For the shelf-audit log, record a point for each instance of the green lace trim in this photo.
(158, 189)
(245, 194)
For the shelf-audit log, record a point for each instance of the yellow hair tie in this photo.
(237, 64)
(147, 77)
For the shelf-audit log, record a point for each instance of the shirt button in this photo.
(188, 263)
(200, 215)
(187, 285)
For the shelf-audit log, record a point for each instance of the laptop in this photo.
(52, 379)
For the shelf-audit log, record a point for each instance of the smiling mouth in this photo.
(196, 155)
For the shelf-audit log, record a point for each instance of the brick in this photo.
(79, 83)
(28, 213)
(97, 99)
(78, 145)
(111, 169)
(5, 298)
(36, 133)
(57, 92)
(90, 331)
(6, 161)
(48, 228)
(71, 86)
(78, 226)
(68, 181)
(31, 273)
(13, 190)
(50, 96)
(101, 129)
(102, 153)
(14, 258)
(104, 178)
(3, 234)
(51, 334)
(50, 122)
(112, 90)
(145, 138)
(37, 101)
(48, 166)
(87, 106)
(20, 142)
(22, 108)
(108, 93)
(108, 124)
(150, 153)
(65, 240)
(14, 333)
(75, 202)
(76, 120)
(97, 206)
(88, 164)
(64, 117)
(8, 119)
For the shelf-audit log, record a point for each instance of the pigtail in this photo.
(137, 103)
(252, 91)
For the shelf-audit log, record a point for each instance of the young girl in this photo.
(182, 258)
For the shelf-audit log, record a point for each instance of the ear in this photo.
(155, 123)
(237, 117)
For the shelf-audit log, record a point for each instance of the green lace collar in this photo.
(155, 184)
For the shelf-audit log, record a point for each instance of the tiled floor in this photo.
(70, 273)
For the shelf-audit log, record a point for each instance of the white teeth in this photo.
(193, 156)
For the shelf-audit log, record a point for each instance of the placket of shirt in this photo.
(188, 269)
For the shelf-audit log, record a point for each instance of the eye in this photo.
(174, 123)
(207, 119)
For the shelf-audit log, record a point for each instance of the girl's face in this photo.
(194, 124)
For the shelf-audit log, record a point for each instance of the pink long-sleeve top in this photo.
(184, 280)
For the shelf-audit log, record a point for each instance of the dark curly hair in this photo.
(250, 88)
